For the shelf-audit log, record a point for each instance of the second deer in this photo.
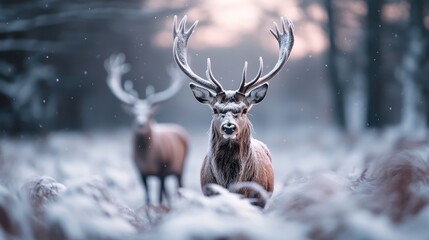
(158, 149)
(234, 156)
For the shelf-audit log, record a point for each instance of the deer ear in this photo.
(203, 95)
(257, 94)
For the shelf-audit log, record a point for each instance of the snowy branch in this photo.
(30, 45)
(78, 14)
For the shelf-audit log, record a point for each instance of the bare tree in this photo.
(411, 73)
(373, 74)
(63, 36)
(31, 97)
(334, 78)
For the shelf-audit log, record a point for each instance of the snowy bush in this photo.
(368, 187)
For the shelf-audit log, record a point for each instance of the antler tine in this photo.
(180, 43)
(182, 25)
(116, 67)
(276, 27)
(285, 40)
(210, 76)
(175, 31)
(243, 79)
(244, 85)
(150, 90)
(176, 82)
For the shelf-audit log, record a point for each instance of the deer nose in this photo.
(228, 128)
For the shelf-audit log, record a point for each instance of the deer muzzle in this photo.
(229, 129)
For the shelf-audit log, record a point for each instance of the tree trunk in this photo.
(417, 9)
(334, 79)
(411, 74)
(374, 81)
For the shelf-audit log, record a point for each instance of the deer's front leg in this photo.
(206, 177)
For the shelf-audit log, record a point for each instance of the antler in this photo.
(176, 78)
(180, 44)
(285, 40)
(116, 67)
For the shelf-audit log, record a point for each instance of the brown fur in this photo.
(231, 161)
(160, 150)
(395, 184)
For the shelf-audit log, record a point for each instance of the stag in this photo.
(158, 149)
(234, 156)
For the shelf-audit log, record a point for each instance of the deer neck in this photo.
(229, 155)
(143, 139)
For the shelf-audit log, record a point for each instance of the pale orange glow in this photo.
(426, 22)
(395, 11)
(159, 4)
(317, 13)
(308, 41)
(224, 23)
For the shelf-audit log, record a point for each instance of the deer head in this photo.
(230, 106)
(141, 109)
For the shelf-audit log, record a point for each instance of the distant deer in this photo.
(234, 156)
(159, 149)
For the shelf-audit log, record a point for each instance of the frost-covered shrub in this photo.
(225, 215)
(8, 224)
(325, 194)
(88, 210)
(84, 210)
(14, 217)
(42, 191)
(373, 206)
(396, 184)
(320, 202)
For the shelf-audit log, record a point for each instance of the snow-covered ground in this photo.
(83, 185)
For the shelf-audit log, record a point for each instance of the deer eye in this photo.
(215, 111)
(244, 111)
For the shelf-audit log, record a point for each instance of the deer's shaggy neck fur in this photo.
(228, 156)
(143, 140)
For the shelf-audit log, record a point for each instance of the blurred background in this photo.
(356, 64)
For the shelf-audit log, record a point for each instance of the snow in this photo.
(83, 185)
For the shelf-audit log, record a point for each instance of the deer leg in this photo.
(161, 188)
(146, 188)
(179, 180)
(163, 192)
